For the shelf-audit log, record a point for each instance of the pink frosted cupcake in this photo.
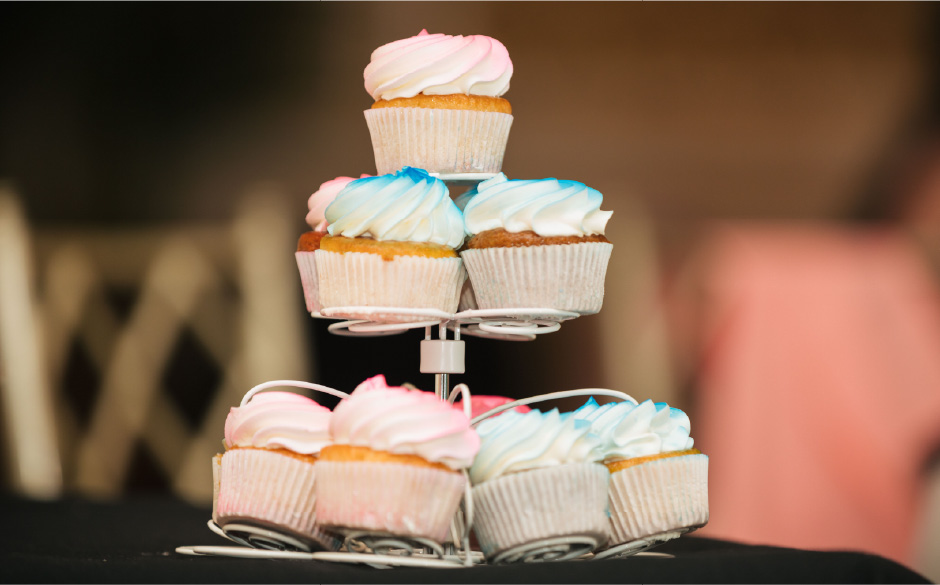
(268, 473)
(483, 404)
(395, 463)
(310, 241)
(438, 103)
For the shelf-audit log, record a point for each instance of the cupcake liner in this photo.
(216, 482)
(468, 300)
(658, 496)
(272, 490)
(439, 141)
(366, 280)
(525, 507)
(568, 277)
(307, 265)
(403, 500)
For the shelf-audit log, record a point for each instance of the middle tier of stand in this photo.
(520, 324)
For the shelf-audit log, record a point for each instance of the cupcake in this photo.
(391, 244)
(658, 481)
(538, 244)
(267, 475)
(310, 241)
(438, 105)
(395, 463)
(537, 477)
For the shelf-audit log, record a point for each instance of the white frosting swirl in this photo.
(279, 420)
(438, 64)
(514, 442)
(404, 422)
(321, 198)
(629, 430)
(407, 206)
(548, 207)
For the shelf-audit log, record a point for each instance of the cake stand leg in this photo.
(441, 357)
(442, 385)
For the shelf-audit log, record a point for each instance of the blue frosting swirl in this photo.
(407, 206)
(635, 430)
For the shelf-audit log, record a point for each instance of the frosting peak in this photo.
(438, 64)
(279, 420)
(548, 207)
(404, 422)
(409, 205)
(321, 198)
(636, 430)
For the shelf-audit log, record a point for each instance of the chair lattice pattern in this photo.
(148, 337)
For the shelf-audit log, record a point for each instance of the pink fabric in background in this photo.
(819, 397)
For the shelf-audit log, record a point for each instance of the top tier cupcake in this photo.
(438, 105)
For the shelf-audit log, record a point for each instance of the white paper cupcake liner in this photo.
(307, 265)
(216, 482)
(271, 490)
(403, 500)
(367, 280)
(568, 277)
(524, 507)
(439, 141)
(468, 300)
(658, 496)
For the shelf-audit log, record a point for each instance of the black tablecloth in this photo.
(134, 541)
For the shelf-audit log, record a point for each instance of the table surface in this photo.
(134, 541)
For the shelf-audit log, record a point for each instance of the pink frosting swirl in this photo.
(482, 403)
(439, 64)
(279, 420)
(404, 422)
(321, 199)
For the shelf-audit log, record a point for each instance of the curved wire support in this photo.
(291, 383)
(550, 549)
(631, 548)
(554, 396)
(533, 327)
(473, 329)
(464, 391)
(389, 315)
(389, 544)
(263, 538)
(342, 328)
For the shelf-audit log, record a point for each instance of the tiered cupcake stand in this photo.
(441, 356)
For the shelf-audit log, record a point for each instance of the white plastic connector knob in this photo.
(442, 356)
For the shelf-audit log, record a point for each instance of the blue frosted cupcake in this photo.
(536, 244)
(537, 477)
(658, 481)
(392, 244)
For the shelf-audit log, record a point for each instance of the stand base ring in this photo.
(550, 549)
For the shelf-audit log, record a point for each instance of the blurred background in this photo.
(776, 230)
